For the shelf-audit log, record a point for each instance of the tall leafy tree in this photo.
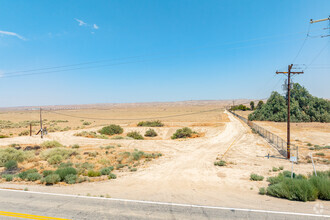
(303, 107)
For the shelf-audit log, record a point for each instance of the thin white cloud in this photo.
(1, 74)
(91, 26)
(81, 23)
(11, 34)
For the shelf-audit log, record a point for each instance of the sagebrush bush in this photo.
(136, 135)
(24, 174)
(105, 171)
(8, 177)
(322, 184)
(150, 133)
(111, 130)
(75, 146)
(150, 124)
(71, 178)
(112, 176)
(11, 164)
(262, 191)
(47, 172)
(256, 177)
(63, 172)
(64, 153)
(24, 133)
(56, 159)
(51, 144)
(220, 163)
(9, 153)
(93, 173)
(294, 189)
(33, 176)
(87, 123)
(182, 133)
(52, 179)
(136, 155)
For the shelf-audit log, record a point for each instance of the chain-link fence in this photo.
(272, 138)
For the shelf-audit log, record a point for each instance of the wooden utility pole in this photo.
(288, 121)
(41, 131)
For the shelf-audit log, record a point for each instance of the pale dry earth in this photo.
(186, 173)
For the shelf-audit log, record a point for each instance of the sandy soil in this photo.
(186, 173)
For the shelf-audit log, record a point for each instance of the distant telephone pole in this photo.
(288, 121)
(41, 131)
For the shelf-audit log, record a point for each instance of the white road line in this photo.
(172, 204)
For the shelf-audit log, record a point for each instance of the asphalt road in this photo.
(30, 205)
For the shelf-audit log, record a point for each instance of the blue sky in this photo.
(158, 50)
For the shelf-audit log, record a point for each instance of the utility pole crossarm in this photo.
(325, 19)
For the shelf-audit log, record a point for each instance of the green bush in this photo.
(293, 189)
(119, 166)
(57, 155)
(24, 133)
(322, 184)
(320, 154)
(8, 177)
(64, 165)
(111, 130)
(112, 176)
(52, 179)
(150, 124)
(23, 175)
(150, 133)
(93, 173)
(75, 146)
(7, 154)
(275, 169)
(182, 133)
(11, 164)
(47, 172)
(63, 172)
(51, 144)
(105, 171)
(262, 191)
(33, 176)
(256, 177)
(220, 163)
(87, 123)
(56, 159)
(136, 155)
(136, 135)
(71, 178)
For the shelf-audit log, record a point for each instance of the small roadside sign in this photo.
(293, 157)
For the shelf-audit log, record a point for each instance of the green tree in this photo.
(260, 103)
(252, 105)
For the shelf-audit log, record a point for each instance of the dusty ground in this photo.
(186, 173)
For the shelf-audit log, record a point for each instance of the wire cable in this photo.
(133, 119)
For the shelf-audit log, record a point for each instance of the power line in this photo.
(133, 119)
(303, 44)
(16, 73)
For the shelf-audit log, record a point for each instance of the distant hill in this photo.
(304, 107)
